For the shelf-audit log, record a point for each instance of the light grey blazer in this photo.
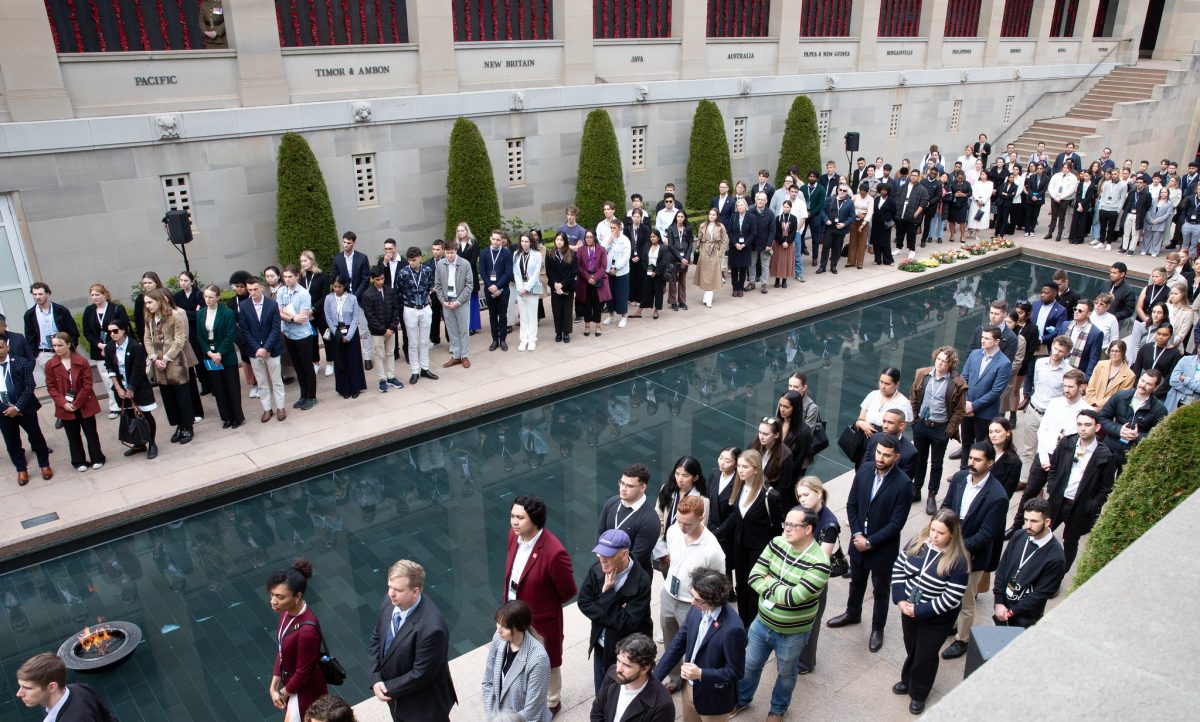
(523, 689)
(464, 281)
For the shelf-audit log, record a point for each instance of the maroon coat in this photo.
(546, 584)
(57, 384)
(296, 662)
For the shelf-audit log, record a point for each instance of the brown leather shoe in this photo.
(265, 417)
(281, 415)
(47, 473)
(22, 478)
(466, 363)
(452, 362)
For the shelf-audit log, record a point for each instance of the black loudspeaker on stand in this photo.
(179, 232)
(852, 142)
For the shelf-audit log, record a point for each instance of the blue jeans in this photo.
(787, 648)
(619, 286)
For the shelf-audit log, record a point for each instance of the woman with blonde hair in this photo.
(1180, 314)
(170, 356)
(756, 514)
(95, 320)
(468, 250)
(316, 282)
(929, 579)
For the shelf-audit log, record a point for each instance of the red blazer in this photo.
(546, 584)
(296, 662)
(57, 383)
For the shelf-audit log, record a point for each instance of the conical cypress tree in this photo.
(708, 156)
(601, 176)
(470, 185)
(304, 216)
(801, 144)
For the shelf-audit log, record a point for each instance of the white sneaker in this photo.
(254, 392)
(1108, 246)
(623, 322)
(912, 255)
(607, 320)
(1096, 244)
(329, 369)
(532, 345)
(521, 347)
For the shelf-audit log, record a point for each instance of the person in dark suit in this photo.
(1036, 185)
(981, 503)
(355, 267)
(17, 345)
(262, 342)
(1081, 324)
(20, 407)
(1081, 477)
(632, 512)
(1068, 155)
(839, 214)
(217, 332)
(883, 218)
(764, 233)
(42, 682)
(982, 149)
(742, 231)
(712, 646)
(408, 660)
(615, 596)
(435, 324)
(1085, 204)
(1048, 314)
(537, 571)
(986, 372)
(876, 509)
(762, 186)
(1124, 296)
(720, 487)
(831, 180)
(125, 360)
(723, 202)
(95, 319)
(638, 233)
(496, 272)
(814, 197)
(630, 693)
(910, 199)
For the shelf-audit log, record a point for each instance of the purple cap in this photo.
(611, 542)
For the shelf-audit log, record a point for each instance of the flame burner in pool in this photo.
(100, 647)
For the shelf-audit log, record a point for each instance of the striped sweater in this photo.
(789, 585)
(938, 594)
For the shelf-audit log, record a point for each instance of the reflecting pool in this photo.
(195, 586)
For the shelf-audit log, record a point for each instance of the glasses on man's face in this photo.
(792, 527)
(114, 331)
(627, 485)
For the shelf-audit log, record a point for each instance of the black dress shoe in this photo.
(175, 436)
(833, 271)
(821, 270)
(503, 345)
(152, 451)
(369, 364)
(842, 620)
(876, 642)
(566, 338)
(134, 450)
(931, 505)
(916, 495)
(683, 306)
(916, 706)
(185, 436)
(956, 454)
(900, 688)
(495, 345)
(427, 374)
(955, 650)
(558, 338)
(226, 425)
(413, 379)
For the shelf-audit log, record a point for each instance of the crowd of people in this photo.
(1048, 399)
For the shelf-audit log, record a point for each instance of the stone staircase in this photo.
(1122, 85)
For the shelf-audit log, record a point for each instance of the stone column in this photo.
(254, 34)
(935, 31)
(433, 22)
(29, 62)
(1040, 24)
(785, 23)
(1176, 34)
(689, 21)
(573, 25)
(864, 25)
(1085, 23)
(991, 17)
(1130, 18)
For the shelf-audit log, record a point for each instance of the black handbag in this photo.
(820, 438)
(134, 430)
(331, 669)
(839, 565)
(853, 444)
(979, 215)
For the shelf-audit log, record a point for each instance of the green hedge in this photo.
(801, 145)
(600, 176)
(708, 156)
(304, 216)
(1159, 474)
(470, 185)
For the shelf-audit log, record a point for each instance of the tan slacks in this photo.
(858, 244)
(689, 709)
(966, 617)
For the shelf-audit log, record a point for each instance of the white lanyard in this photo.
(1026, 557)
(788, 563)
(632, 511)
(1155, 355)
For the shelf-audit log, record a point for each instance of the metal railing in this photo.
(1002, 135)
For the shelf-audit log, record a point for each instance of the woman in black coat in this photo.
(883, 217)
(1006, 468)
(190, 299)
(133, 387)
(960, 202)
(103, 311)
(754, 517)
(562, 268)
(679, 240)
(659, 259)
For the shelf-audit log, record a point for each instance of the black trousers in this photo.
(1081, 225)
(931, 441)
(11, 429)
(832, 241)
(808, 655)
(747, 598)
(1033, 486)
(906, 233)
(1016, 217)
(177, 402)
(876, 563)
(1060, 211)
(591, 304)
(1031, 216)
(1003, 219)
(1108, 226)
(302, 361)
(1071, 535)
(86, 425)
(562, 307)
(227, 391)
(923, 640)
(738, 276)
(927, 223)
(435, 323)
(498, 314)
(973, 429)
(194, 390)
(652, 291)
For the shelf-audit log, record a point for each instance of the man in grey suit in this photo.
(409, 654)
(453, 284)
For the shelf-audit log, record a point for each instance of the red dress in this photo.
(546, 584)
(296, 662)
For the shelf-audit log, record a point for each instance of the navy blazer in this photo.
(1056, 319)
(749, 232)
(20, 375)
(263, 333)
(721, 659)
(18, 346)
(984, 390)
(983, 526)
(502, 268)
(1091, 350)
(881, 519)
(725, 210)
(359, 275)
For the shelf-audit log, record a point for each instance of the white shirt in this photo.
(603, 231)
(627, 696)
(46, 327)
(52, 713)
(1077, 469)
(520, 559)
(745, 500)
(1059, 421)
(1043, 315)
(1063, 186)
(662, 221)
(876, 405)
(969, 493)
(688, 556)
